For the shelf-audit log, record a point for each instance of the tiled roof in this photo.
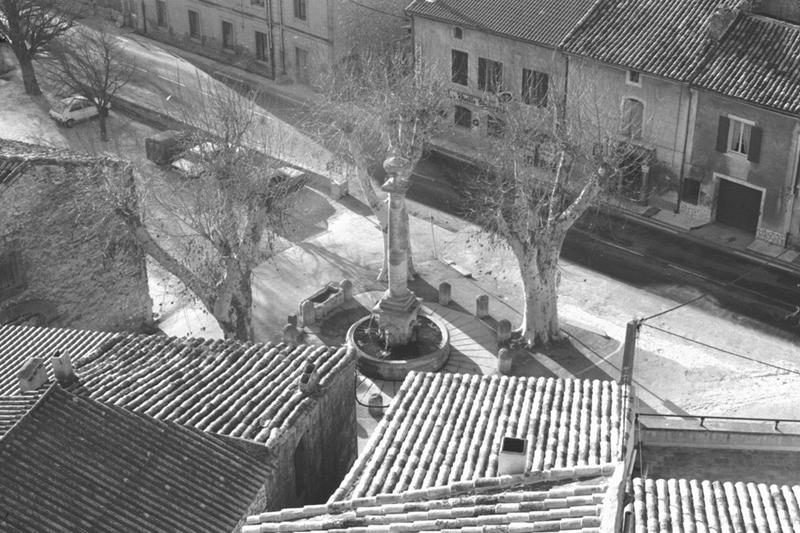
(12, 408)
(691, 505)
(18, 343)
(665, 38)
(551, 501)
(542, 21)
(226, 387)
(758, 61)
(74, 464)
(443, 428)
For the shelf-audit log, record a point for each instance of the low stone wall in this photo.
(740, 440)
(323, 302)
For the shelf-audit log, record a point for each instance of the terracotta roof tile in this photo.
(445, 428)
(13, 408)
(542, 21)
(665, 38)
(758, 61)
(689, 505)
(18, 343)
(226, 387)
(528, 502)
(74, 464)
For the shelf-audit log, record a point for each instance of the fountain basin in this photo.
(428, 353)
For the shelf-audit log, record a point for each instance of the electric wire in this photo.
(751, 359)
(724, 285)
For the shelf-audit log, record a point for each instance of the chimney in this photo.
(33, 375)
(62, 368)
(512, 456)
(309, 379)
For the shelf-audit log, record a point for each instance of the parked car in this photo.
(163, 147)
(73, 109)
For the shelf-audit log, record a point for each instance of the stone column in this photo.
(398, 307)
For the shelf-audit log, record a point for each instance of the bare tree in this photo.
(544, 168)
(91, 63)
(211, 228)
(374, 105)
(29, 26)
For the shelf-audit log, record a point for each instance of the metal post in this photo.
(629, 351)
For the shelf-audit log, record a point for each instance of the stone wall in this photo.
(78, 264)
(322, 443)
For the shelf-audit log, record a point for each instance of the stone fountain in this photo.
(395, 338)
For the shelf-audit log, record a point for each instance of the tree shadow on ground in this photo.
(309, 217)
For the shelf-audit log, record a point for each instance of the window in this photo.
(301, 64)
(632, 116)
(690, 191)
(12, 280)
(739, 137)
(458, 33)
(462, 117)
(194, 24)
(490, 75)
(161, 13)
(534, 87)
(256, 2)
(633, 78)
(227, 34)
(262, 46)
(495, 127)
(460, 67)
(300, 9)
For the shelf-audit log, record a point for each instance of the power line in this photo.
(751, 359)
(724, 285)
(359, 4)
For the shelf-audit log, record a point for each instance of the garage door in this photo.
(738, 205)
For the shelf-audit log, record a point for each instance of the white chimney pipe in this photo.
(512, 456)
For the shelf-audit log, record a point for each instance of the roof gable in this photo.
(758, 61)
(542, 21)
(227, 387)
(688, 505)
(445, 428)
(665, 38)
(556, 501)
(93, 467)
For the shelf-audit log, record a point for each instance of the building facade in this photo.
(703, 94)
(65, 257)
(285, 40)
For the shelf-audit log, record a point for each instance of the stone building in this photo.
(293, 405)
(458, 451)
(65, 257)
(281, 39)
(745, 159)
(702, 93)
(494, 52)
(71, 463)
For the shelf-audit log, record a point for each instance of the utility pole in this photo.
(629, 351)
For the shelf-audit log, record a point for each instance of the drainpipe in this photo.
(283, 38)
(683, 152)
(271, 39)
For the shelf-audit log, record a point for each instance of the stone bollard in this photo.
(307, 313)
(482, 306)
(505, 361)
(444, 293)
(503, 332)
(347, 289)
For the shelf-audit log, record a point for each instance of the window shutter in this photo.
(481, 73)
(755, 144)
(722, 133)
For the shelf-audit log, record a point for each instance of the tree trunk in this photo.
(102, 122)
(540, 277)
(28, 75)
(234, 303)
